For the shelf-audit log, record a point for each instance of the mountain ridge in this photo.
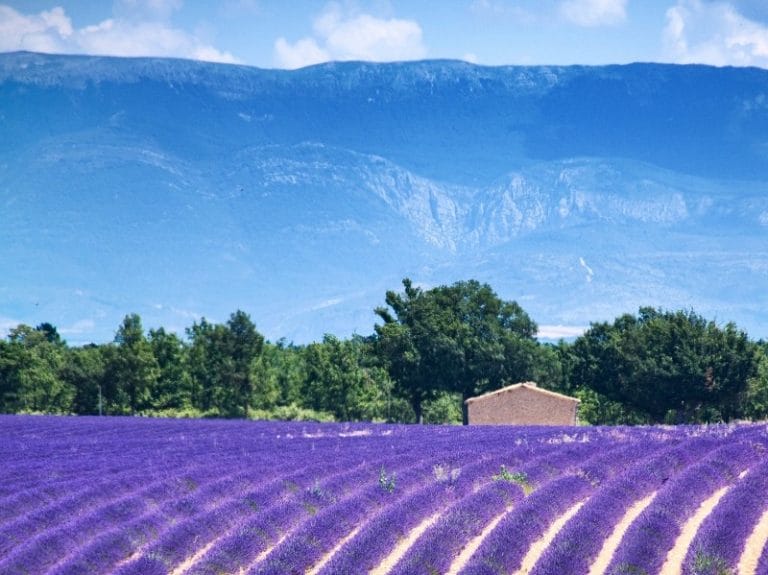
(131, 193)
(520, 112)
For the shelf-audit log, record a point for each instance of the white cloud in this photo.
(560, 331)
(327, 303)
(123, 38)
(341, 36)
(590, 272)
(52, 32)
(714, 33)
(594, 12)
(43, 32)
(305, 52)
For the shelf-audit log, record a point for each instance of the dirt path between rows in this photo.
(466, 554)
(328, 556)
(262, 555)
(754, 546)
(674, 562)
(402, 548)
(614, 540)
(185, 565)
(538, 548)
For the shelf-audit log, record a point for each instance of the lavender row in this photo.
(63, 538)
(379, 535)
(91, 495)
(762, 564)
(317, 534)
(304, 546)
(296, 496)
(650, 537)
(436, 549)
(210, 519)
(579, 542)
(329, 513)
(505, 547)
(111, 547)
(720, 541)
(36, 521)
(240, 545)
(503, 550)
(89, 490)
(18, 503)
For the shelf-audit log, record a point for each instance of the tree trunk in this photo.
(464, 409)
(418, 411)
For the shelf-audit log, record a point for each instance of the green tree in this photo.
(461, 338)
(279, 373)
(223, 364)
(9, 376)
(173, 389)
(85, 370)
(399, 343)
(30, 371)
(207, 363)
(339, 380)
(132, 368)
(553, 366)
(666, 366)
(245, 345)
(50, 334)
(756, 397)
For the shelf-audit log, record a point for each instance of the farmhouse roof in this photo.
(527, 385)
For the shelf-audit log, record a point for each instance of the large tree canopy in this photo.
(30, 365)
(222, 360)
(133, 369)
(461, 338)
(666, 366)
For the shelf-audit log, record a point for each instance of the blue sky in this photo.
(295, 33)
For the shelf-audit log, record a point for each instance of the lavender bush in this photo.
(142, 496)
(579, 542)
(652, 535)
(719, 543)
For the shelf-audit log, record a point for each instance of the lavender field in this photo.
(151, 496)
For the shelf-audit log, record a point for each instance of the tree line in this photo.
(430, 350)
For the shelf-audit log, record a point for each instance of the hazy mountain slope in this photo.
(177, 189)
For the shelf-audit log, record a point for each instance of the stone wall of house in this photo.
(522, 406)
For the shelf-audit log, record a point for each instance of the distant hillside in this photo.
(176, 189)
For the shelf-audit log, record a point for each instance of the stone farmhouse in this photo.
(522, 404)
